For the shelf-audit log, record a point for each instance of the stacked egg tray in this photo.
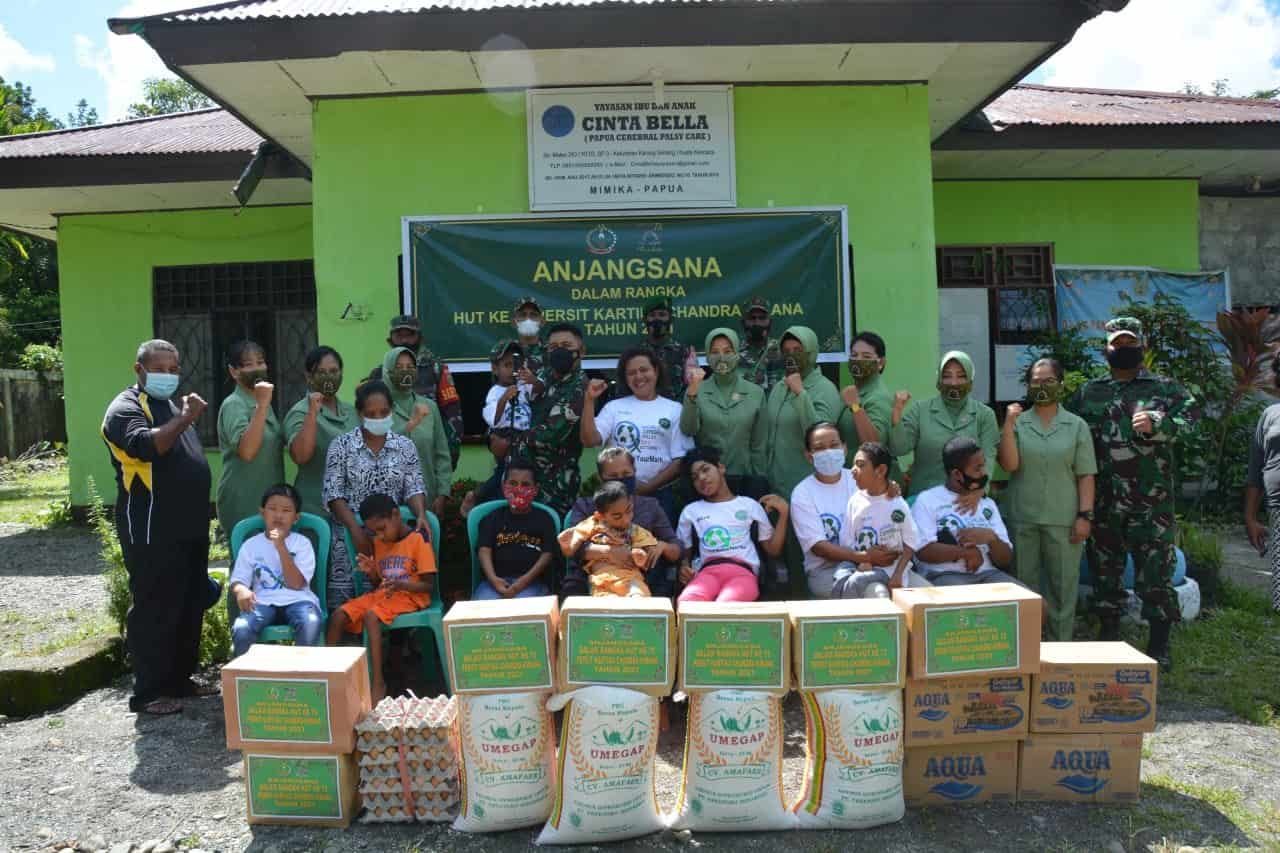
(408, 761)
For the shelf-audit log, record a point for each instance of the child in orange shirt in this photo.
(614, 551)
(402, 564)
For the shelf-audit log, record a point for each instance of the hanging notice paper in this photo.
(616, 148)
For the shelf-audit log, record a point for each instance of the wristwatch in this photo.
(1086, 514)
(855, 408)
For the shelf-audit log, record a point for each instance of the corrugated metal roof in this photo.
(200, 132)
(249, 10)
(1056, 106)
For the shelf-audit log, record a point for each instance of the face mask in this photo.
(658, 328)
(325, 383)
(722, 363)
(160, 385)
(862, 369)
(828, 462)
(796, 362)
(249, 378)
(756, 334)
(519, 497)
(973, 484)
(527, 327)
(1045, 394)
(1124, 358)
(955, 393)
(562, 360)
(378, 426)
(404, 378)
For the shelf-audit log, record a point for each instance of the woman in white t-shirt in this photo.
(727, 567)
(643, 423)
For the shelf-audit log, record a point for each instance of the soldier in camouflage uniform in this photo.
(660, 338)
(434, 381)
(1134, 416)
(554, 443)
(526, 319)
(760, 359)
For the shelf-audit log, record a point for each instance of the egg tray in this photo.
(421, 738)
(409, 713)
(420, 783)
(391, 808)
(429, 759)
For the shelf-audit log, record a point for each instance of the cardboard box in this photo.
(972, 630)
(301, 790)
(621, 642)
(1103, 688)
(735, 646)
(503, 646)
(961, 774)
(1081, 768)
(858, 642)
(295, 699)
(967, 710)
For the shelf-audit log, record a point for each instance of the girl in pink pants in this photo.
(721, 525)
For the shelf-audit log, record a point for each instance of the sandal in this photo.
(161, 707)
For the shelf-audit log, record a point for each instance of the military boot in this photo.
(1158, 644)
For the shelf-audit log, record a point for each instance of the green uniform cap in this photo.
(1123, 326)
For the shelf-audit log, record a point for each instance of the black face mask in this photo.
(757, 334)
(973, 484)
(562, 360)
(1124, 358)
(658, 328)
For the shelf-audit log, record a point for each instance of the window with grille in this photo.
(203, 309)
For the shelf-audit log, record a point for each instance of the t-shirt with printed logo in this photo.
(723, 530)
(935, 510)
(648, 429)
(818, 515)
(258, 568)
(406, 560)
(880, 520)
(517, 539)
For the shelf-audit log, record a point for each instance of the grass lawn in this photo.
(35, 493)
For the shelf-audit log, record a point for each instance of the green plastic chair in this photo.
(431, 617)
(307, 523)
(473, 533)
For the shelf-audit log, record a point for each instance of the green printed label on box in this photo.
(974, 638)
(612, 649)
(848, 653)
(283, 709)
(282, 787)
(733, 653)
(500, 656)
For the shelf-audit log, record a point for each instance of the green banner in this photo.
(616, 649)
(283, 709)
(598, 271)
(733, 653)
(499, 655)
(848, 653)
(294, 787)
(971, 639)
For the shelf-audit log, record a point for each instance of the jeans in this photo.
(303, 616)
(486, 592)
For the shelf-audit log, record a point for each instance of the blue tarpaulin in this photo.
(1091, 295)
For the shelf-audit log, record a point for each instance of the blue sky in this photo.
(63, 50)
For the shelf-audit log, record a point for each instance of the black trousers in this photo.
(168, 583)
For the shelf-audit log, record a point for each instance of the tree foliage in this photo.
(84, 115)
(163, 95)
(19, 113)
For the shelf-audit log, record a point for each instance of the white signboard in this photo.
(615, 148)
(1011, 370)
(963, 324)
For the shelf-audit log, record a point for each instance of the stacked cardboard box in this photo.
(502, 646)
(974, 650)
(617, 642)
(732, 646)
(293, 711)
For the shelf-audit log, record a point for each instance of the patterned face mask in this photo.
(325, 383)
(862, 369)
(722, 363)
(955, 393)
(1045, 393)
(404, 377)
(519, 497)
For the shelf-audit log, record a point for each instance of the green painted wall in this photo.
(378, 159)
(1125, 223)
(104, 264)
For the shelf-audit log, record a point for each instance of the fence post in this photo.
(8, 418)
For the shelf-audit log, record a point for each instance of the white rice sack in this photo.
(732, 778)
(507, 772)
(853, 776)
(608, 741)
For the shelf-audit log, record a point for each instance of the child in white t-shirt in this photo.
(271, 580)
(507, 412)
(727, 567)
(882, 528)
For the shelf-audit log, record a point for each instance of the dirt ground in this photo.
(33, 564)
(94, 769)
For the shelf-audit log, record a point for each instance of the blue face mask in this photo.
(378, 426)
(160, 385)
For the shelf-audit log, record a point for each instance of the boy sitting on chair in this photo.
(517, 543)
(615, 551)
(271, 579)
(400, 569)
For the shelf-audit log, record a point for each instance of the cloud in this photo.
(14, 58)
(123, 62)
(1162, 45)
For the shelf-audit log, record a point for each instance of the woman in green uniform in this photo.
(309, 427)
(1048, 453)
(923, 428)
(249, 437)
(419, 419)
(728, 414)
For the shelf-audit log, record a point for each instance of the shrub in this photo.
(42, 357)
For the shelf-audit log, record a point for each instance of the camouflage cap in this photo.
(755, 302)
(501, 348)
(526, 300)
(406, 321)
(1121, 326)
(655, 303)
